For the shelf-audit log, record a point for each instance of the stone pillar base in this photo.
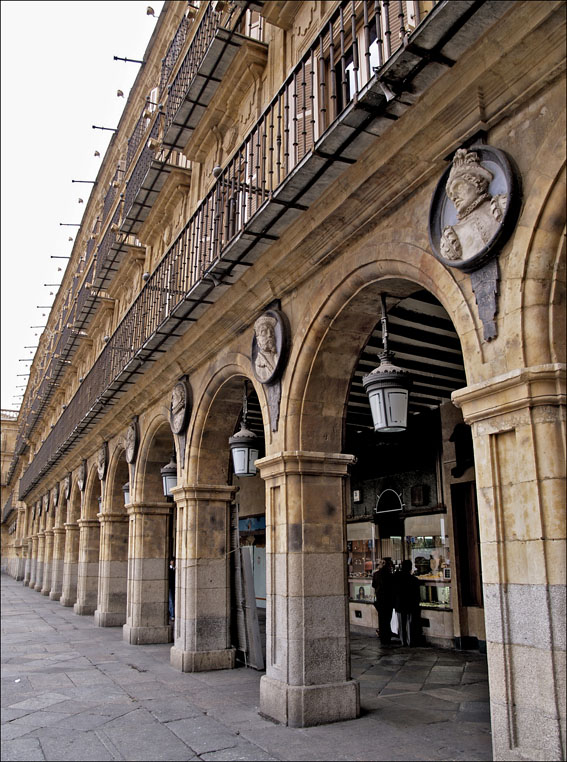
(67, 601)
(26, 583)
(202, 661)
(300, 706)
(139, 636)
(84, 609)
(46, 591)
(108, 619)
(38, 587)
(54, 596)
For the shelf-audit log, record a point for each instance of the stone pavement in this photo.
(73, 691)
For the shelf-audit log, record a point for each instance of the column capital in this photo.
(295, 462)
(222, 492)
(519, 389)
(87, 523)
(107, 518)
(148, 509)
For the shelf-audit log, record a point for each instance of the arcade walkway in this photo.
(73, 691)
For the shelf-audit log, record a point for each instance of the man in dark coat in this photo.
(406, 602)
(382, 582)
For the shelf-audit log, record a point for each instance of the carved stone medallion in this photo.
(474, 208)
(268, 346)
(131, 441)
(180, 407)
(67, 486)
(102, 461)
(82, 476)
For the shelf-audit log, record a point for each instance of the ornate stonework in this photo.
(102, 461)
(180, 407)
(131, 441)
(268, 346)
(474, 208)
(82, 476)
(67, 486)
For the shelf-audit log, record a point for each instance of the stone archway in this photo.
(150, 518)
(89, 546)
(202, 628)
(308, 676)
(71, 553)
(113, 567)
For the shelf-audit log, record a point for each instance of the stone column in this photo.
(33, 569)
(147, 618)
(70, 564)
(202, 600)
(40, 558)
(21, 566)
(87, 568)
(28, 567)
(113, 570)
(518, 426)
(307, 680)
(58, 560)
(47, 562)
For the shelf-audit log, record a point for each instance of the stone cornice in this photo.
(517, 390)
(304, 462)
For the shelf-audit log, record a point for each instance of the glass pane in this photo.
(427, 545)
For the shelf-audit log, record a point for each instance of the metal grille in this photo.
(170, 58)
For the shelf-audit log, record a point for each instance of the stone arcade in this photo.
(296, 164)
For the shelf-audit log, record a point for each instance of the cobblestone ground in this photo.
(73, 691)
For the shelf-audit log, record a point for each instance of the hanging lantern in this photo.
(388, 388)
(169, 476)
(244, 445)
(126, 491)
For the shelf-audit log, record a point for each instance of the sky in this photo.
(58, 78)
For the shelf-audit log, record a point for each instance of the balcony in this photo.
(362, 72)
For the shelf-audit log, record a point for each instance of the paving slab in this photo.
(74, 691)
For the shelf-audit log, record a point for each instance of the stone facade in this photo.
(327, 232)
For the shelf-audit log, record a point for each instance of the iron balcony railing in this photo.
(358, 39)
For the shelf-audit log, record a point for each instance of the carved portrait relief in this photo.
(46, 502)
(67, 486)
(55, 496)
(102, 461)
(268, 346)
(82, 476)
(474, 207)
(131, 441)
(179, 408)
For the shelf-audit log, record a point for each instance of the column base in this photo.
(108, 619)
(67, 601)
(45, 591)
(55, 596)
(84, 609)
(26, 583)
(202, 661)
(301, 706)
(139, 636)
(38, 587)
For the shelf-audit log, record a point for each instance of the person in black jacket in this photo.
(406, 602)
(382, 582)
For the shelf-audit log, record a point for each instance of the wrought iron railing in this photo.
(358, 39)
(173, 51)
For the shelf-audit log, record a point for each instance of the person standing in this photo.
(382, 582)
(406, 602)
